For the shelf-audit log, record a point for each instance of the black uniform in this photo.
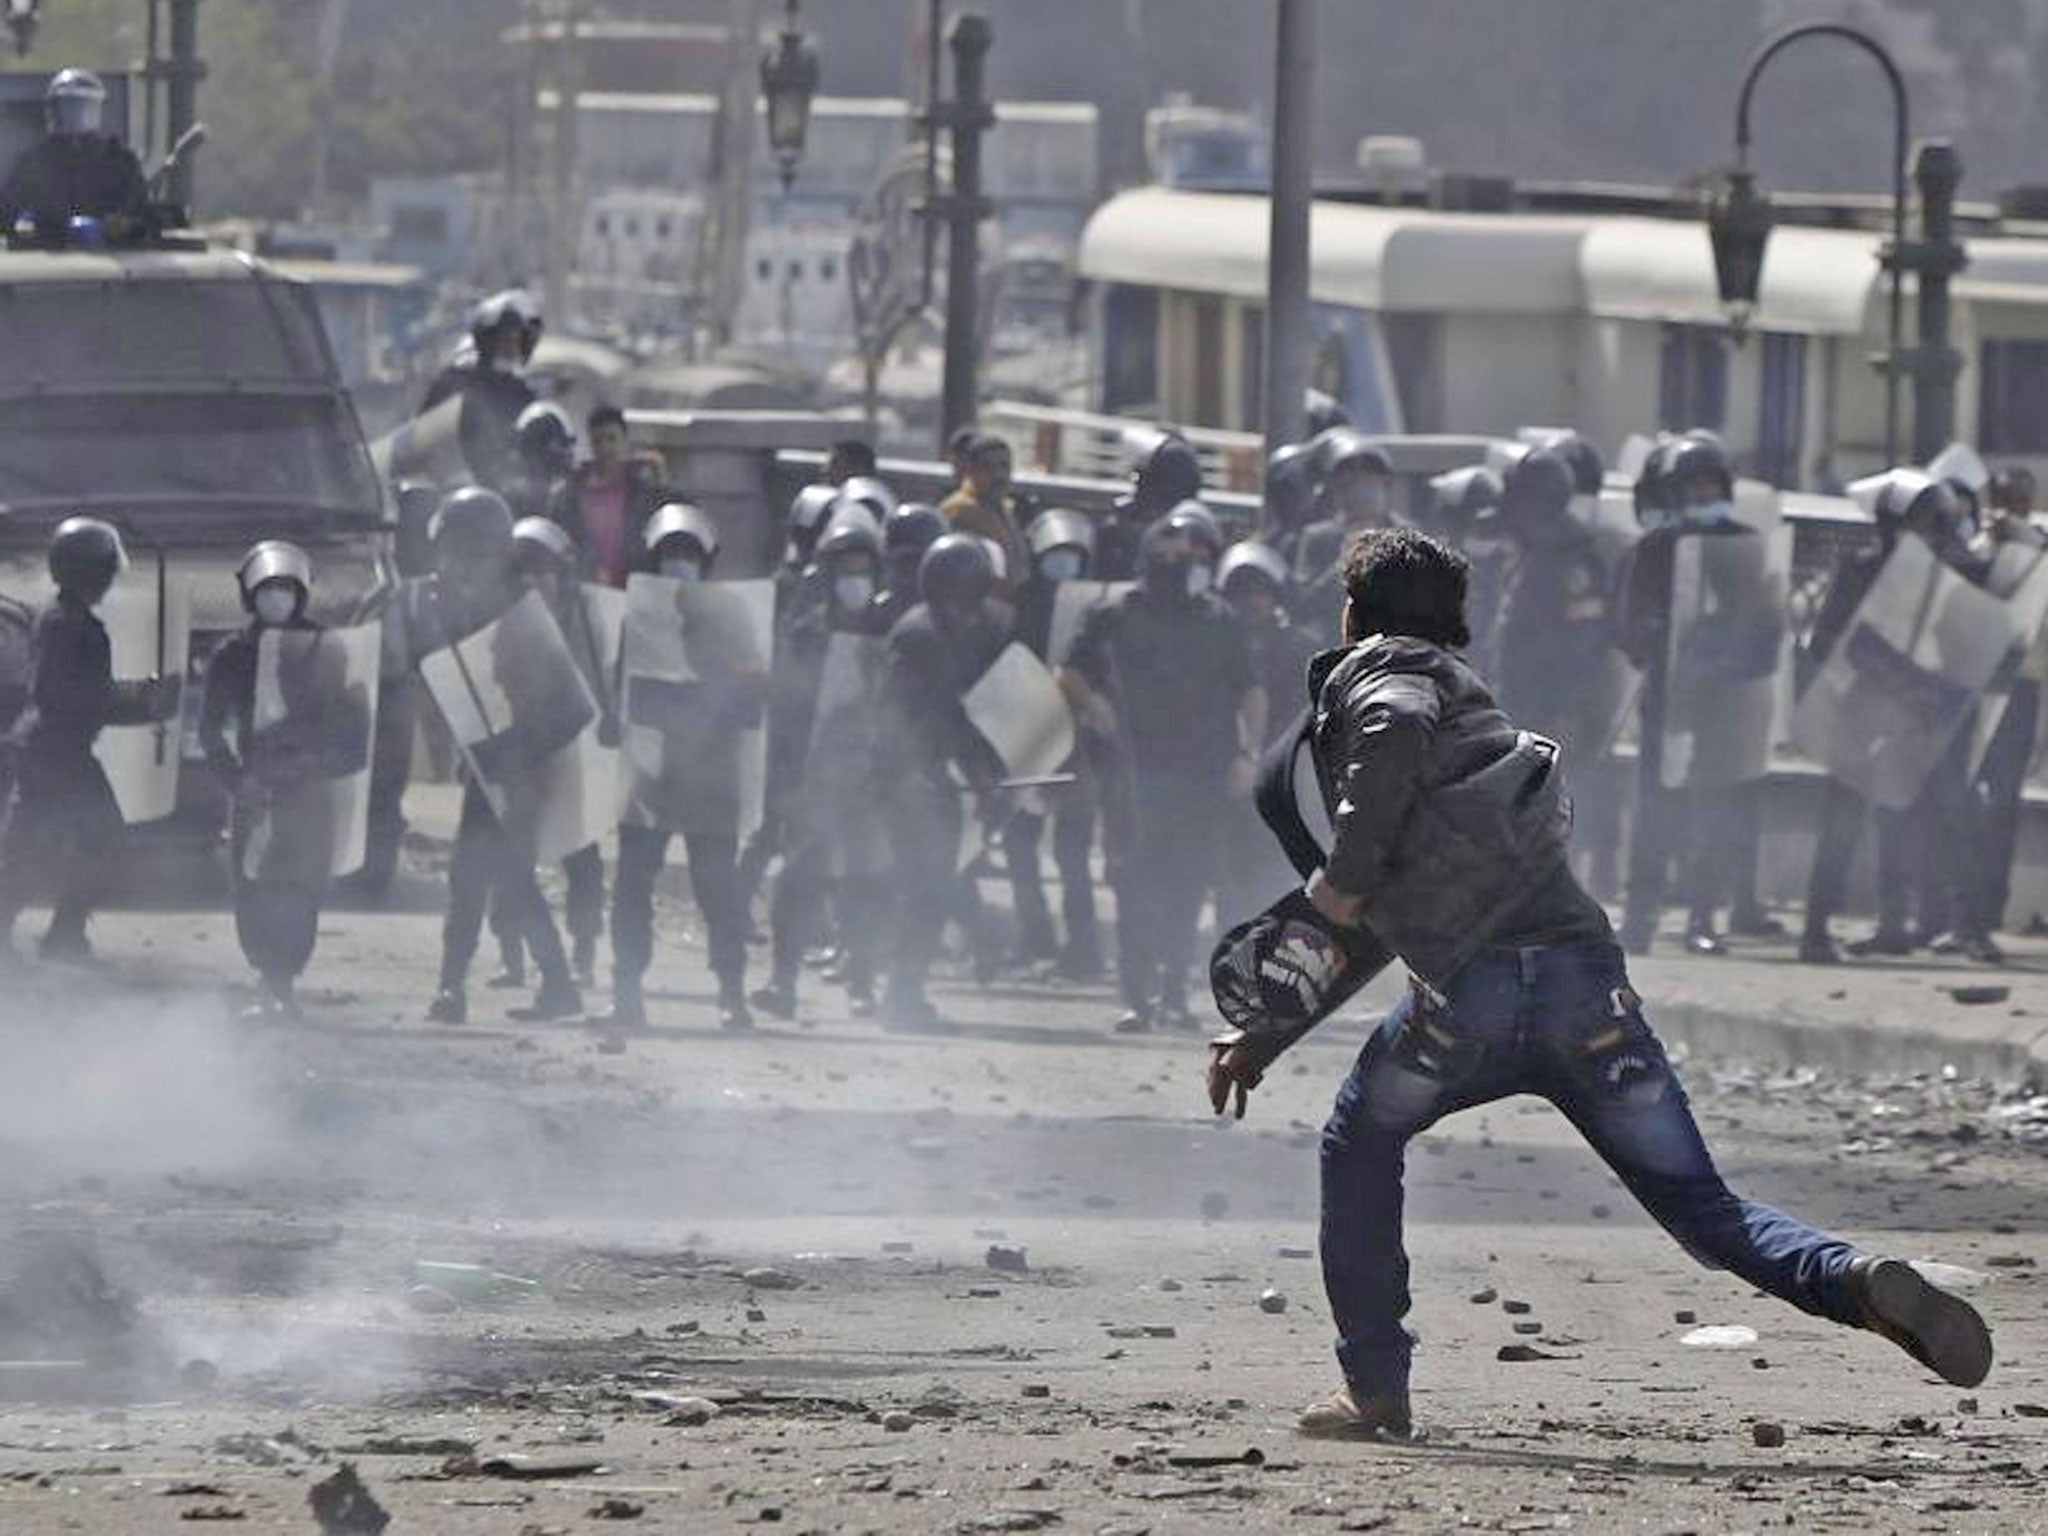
(277, 912)
(75, 173)
(65, 820)
(1251, 873)
(1176, 669)
(493, 399)
(924, 729)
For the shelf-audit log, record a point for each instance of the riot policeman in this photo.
(504, 330)
(1062, 544)
(938, 651)
(278, 887)
(1290, 499)
(1168, 473)
(1357, 481)
(834, 848)
(475, 583)
(1163, 678)
(698, 797)
(75, 172)
(1907, 502)
(65, 821)
(545, 443)
(907, 533)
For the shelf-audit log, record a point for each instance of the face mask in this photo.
(852, 592)
(681, 569)
(1365, 501)
(1060, 565)
(1201, 577)
(276, 605)
(1713, 514)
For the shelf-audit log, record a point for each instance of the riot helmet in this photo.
(1654, 504)
(955, 578)
(807, 514)
(1169, 473)
(1290, 487)
(1171, 566)
(275, 566)
(85, 556)
(1062, 542)
(1356, 477)
(1253, 575)
(546, 438)
(849, 554)
(870, 493)
(908, 532)
(847, 511)
(1323, 411)
(1537, 488)
(1580, 456)
(471, 529)
(1460, 498)
(1912, 501)
(543, 549)
(74, 103)
(682, 541)
(500, 320)
(1698, 473)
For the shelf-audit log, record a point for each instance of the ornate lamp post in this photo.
(789, 84)
(1739, 225)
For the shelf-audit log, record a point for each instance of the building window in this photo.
(1130, 348)
(661, 228)
(1251, 369)
(1693, 379)
(1781, 408)
(828, 270)
(796, 271)
(632, 229)
(1208, 379)
(764, 269)
(2012, 397)
(603, 225)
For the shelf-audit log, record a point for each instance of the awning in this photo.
(1384, 259)
(1815, 281)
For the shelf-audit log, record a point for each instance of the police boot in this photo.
(558, 998)
(777, 999)
(732, 1006)
(629, 1005)
(450, 1006)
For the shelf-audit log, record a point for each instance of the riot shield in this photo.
(694, 662)
(1726, 652)
(2019, 574)
(1900, 682)
(1021, 713)
(1073, 603)
(148, 623)
(579, 796)
(427, 448)
(513, 697)
(307, 790)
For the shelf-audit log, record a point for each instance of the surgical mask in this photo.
(1060, 565)
(853, 592)
(1201, 577)
(276, 605)
(681, 569)
(1712, 514)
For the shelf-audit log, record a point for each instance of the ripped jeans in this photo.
(1562, 1022)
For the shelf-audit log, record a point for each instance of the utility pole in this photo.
(564, 225)
(1290, 203)
(182, 74)
(1936, 258)
(968, 117)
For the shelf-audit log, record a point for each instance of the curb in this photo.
(1858, 1049)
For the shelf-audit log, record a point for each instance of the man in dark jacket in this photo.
(61, 833)
(1164, 681)
(76, 171)
(1451, 832)
(504, 329)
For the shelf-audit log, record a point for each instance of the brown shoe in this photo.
(1341, 1416)
(1942, 1331)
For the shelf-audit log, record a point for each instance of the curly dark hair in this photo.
(1403, 582)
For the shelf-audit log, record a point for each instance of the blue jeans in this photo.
(1560, 1021)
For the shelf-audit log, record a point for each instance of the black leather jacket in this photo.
(1450, 822)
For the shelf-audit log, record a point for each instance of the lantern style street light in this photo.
(789, 83)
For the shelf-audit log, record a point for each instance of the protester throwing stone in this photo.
(1451, 829)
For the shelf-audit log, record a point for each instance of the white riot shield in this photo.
(694, 662)
(1072, 606)
(1903, 677)
(2018, 574)
(580, 785)
(148, 623)
(427, 448)
(1021, 713)
(1727, 651)
(308, 784)
(513, 698)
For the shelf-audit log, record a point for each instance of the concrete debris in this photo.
(1272, 1301)
(344, 1507)
(1720, 1336)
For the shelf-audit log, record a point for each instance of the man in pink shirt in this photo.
(610, 498)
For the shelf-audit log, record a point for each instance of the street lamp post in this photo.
(968, 116)
(1289, 208)
(789, 84)
(1739, 225)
